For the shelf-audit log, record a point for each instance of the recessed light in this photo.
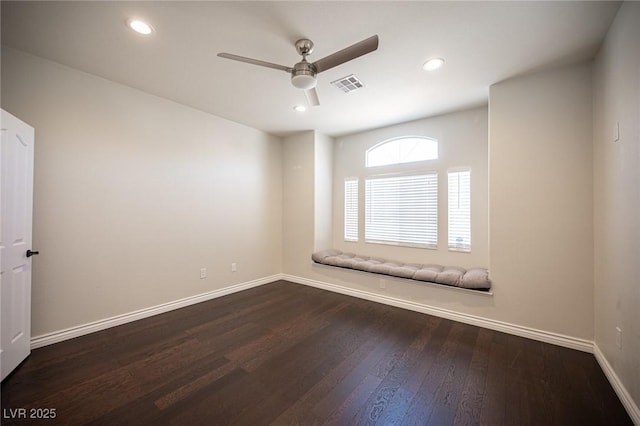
(433, 64)
(300, 108)
(139, 26)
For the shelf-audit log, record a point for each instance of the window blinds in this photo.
(402, 210)
(459, 210)
(351, 210)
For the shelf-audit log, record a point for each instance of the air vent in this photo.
(348, 84)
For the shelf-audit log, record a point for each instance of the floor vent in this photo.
(348, 84)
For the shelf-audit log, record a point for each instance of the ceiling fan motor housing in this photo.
(303, 75)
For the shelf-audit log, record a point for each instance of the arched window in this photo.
(406, 149)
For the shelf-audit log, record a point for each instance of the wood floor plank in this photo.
(196, 385)
(494, 399)
(380, 407)
(345, 412)
(334, 384)
(287, 354)
(378, 346)
(422, 403)
(470, 405)
(446, 400)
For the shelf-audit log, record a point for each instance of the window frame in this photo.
(385, 142)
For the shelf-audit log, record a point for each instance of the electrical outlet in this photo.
(383, 283)
(234, 267)
(203, 273)
(619, 337)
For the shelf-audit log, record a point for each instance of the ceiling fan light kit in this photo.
(304, 81)
(303, 74)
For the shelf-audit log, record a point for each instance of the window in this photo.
(351, 210)
(459, 210)
(402, 210)
(402, 150)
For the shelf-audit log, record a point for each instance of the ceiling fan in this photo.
(303, 74)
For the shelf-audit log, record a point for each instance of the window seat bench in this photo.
(474, 278)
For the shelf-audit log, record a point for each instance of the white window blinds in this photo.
(351, 210)
(459, 210)
(402, 210)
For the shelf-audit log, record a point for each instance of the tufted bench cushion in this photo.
(474, 278)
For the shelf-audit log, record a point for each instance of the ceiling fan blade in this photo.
(312, 97)
(340, 57)
(255, 62)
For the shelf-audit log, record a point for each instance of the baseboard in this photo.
(621, 390)
(544, 336)
(530, 333)
(81, 330)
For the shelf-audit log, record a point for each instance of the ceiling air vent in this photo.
(348, 84)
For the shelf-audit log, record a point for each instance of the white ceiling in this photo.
(482, 43)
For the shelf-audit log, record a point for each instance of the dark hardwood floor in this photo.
(283, 353)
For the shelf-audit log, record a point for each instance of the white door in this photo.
(16, 196)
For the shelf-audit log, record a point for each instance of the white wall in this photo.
(540, 203)
(298, 165)
(323, 191)
(307, 185)
(462, 142)
(134, 194)
(617, 197)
